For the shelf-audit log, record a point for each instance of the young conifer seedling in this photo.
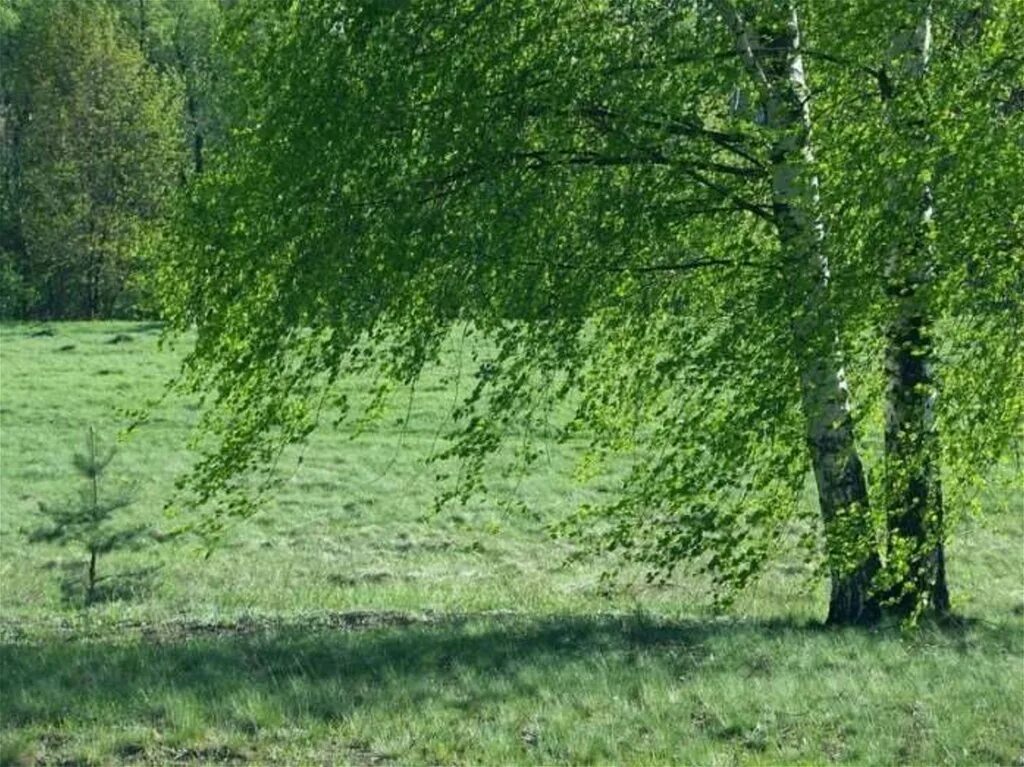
(90, 520)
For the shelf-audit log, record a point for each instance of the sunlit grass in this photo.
(348, 623)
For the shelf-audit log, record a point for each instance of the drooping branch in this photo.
(727, 194)
(681, 266)
(547, 158)
(692, 128)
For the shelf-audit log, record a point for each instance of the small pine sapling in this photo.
(89, 520)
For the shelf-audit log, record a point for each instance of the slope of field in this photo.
(348, 623)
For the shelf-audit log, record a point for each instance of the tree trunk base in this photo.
(852, 602)
(927, 591)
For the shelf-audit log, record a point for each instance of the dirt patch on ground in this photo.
(190, 628)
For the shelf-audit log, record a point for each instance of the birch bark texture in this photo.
(915, 557)
(770, 47)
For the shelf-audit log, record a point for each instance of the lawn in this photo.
(348, 623)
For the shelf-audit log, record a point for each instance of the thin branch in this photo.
(645, 157)
(682, 266)
(741, 203)
(673, 127)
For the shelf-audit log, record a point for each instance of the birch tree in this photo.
(770, 47)
(913, 485)
(628, 201)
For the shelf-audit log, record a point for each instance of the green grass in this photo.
(348, 624)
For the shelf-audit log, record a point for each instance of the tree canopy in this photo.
(698, 236)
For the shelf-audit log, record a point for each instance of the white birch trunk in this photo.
(777, 66)
(913, 489)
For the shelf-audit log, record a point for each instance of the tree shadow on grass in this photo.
(328, 668)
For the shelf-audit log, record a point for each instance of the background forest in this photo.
(107, 107)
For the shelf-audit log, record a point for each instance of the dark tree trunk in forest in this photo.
(191, 106)
(197, 137)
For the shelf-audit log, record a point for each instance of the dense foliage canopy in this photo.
(675, 222)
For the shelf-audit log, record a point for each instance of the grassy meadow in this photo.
(347, 623)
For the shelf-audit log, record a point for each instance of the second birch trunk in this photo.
(914, 503)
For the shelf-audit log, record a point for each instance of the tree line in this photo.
(106, 108)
